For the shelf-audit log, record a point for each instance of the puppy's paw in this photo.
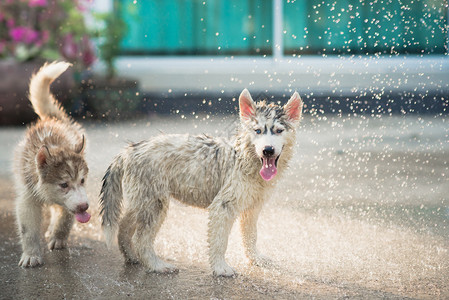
(223, 269)
(131, 261)
(130, 257)
(28, 260)
(262, 261)
(55, 244)
(161, 266)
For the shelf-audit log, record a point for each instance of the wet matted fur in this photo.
(230, 178)
(50, 170)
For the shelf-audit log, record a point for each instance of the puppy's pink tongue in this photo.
(83, 217)
(268, 170)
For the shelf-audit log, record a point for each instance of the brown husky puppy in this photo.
(50, 170)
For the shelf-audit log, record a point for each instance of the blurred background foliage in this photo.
(46, 30)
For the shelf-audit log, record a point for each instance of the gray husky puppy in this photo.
(229, 178)
(50, 171)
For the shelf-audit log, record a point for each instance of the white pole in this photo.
(447, 28)
(278, 18)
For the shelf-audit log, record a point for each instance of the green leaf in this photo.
(50, 54)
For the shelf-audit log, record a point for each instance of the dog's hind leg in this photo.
(29, 215)
(221, 218)
(248, 225)
(59, 229)
(149, 221)
(127, 228)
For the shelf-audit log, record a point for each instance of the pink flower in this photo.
(10, 23)
(83, 6)
(44, 36)
(31, 36)
(88, 54)
(17, 33)
(34, 3)
(69, 49)
(24, 34)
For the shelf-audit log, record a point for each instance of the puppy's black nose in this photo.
(268, 151)
(82, 207)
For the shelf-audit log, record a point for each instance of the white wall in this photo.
(328, 75)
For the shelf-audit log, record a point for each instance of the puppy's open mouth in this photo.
(269, 167)
(82, 216)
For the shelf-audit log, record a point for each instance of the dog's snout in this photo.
(82, 207)
(268, 151)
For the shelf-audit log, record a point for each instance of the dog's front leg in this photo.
(29, 215)
(248, 225)
(221, 218)
(59, 229)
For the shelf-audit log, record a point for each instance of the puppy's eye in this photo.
(279, 130)
(64, 185)
(82, 181)
(258, 131)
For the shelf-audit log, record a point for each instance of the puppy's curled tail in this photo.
(111, 197)
(44, 104)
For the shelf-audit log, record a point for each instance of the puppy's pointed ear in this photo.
(81, 146)
(246, 104)
(293, 108)
(43, 156)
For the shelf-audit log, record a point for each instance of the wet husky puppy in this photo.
(229, 178)
(50, 170)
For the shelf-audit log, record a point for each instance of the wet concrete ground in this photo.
(362, 213)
